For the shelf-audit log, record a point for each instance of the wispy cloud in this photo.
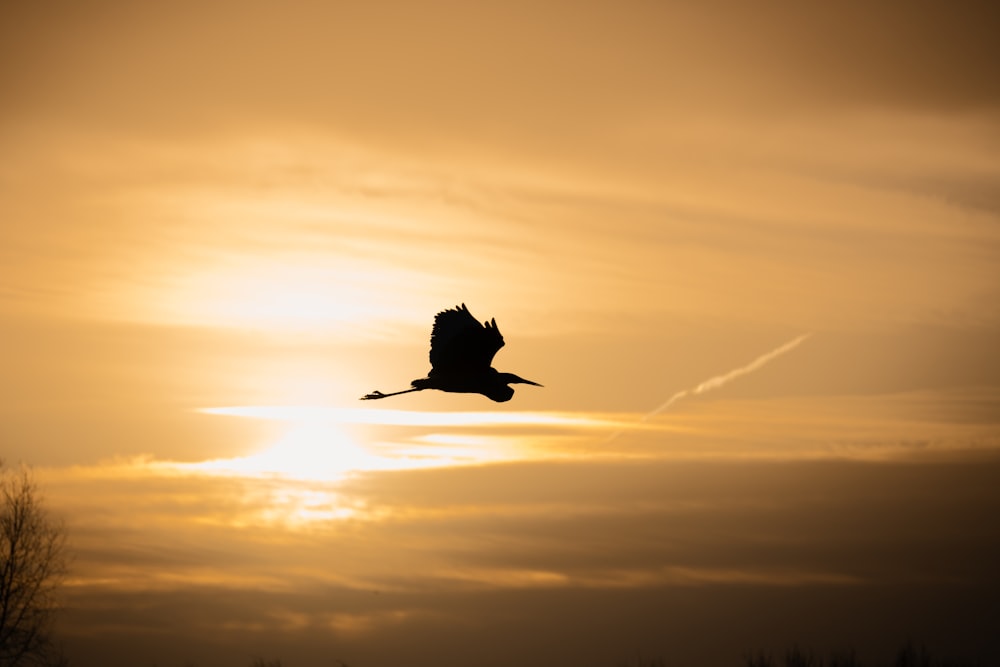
(330, 414)
(650, 577)
(720, 380)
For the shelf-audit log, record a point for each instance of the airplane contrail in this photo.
(719, 380)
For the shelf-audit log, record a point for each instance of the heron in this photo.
(462, 352)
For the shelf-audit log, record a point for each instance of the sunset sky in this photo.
(751, 250)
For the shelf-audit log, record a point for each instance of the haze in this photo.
(750, 252)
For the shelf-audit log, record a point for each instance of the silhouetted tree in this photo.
(796, 657)
(652, 662)
(908, 656)
(32, 561)
(760, 659)
(844, 658)
(261, 662)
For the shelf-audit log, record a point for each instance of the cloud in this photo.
(608, 61)
(390, 417)
(179, 563)
(719, 380)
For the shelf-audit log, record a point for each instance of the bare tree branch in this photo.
(32, 563)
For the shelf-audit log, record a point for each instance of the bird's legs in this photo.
(377, 394)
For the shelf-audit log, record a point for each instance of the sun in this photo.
(316, 447)
(311, 449)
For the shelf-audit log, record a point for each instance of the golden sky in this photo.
(750, 249)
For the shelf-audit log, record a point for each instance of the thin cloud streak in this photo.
(719, 380)
(496, 578)
(403, 417)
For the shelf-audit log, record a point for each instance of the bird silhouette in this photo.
(462, 352)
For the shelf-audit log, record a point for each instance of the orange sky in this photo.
(224, 222)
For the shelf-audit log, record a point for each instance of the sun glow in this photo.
(309, 450)
(298, 293)
(319, 413)
(317, 447)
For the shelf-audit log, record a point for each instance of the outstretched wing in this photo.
(459, 343)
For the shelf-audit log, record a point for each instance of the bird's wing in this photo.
(460, 343)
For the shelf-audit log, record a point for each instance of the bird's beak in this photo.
(523, 381)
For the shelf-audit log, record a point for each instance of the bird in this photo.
(462, 352)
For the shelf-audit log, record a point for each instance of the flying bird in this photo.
(462, 352)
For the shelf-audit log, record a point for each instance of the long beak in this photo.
(523, 381)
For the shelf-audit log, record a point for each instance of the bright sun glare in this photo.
(309, 450)
(316, 446)
(316, 452)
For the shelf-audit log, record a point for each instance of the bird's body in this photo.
(461, 355)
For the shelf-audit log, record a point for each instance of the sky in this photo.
(750, 251)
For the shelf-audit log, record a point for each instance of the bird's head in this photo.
(501, 392)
